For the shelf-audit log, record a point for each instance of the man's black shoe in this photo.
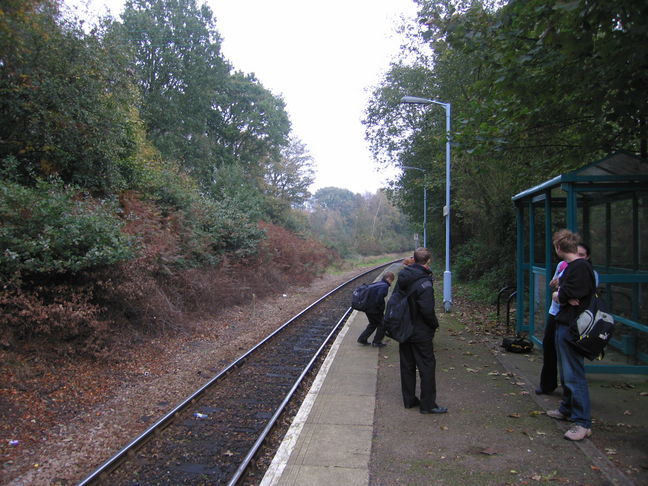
(364, 343)
(435, 410)
(540, 391)
(379, 345)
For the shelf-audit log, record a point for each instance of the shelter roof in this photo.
(616, 171)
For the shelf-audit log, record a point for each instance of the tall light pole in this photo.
(424, 204)
(447, 275)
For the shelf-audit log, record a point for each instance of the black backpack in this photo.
(517, 344)
(397, 320)
(361, 299)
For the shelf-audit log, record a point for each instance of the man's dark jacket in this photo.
(421, 301)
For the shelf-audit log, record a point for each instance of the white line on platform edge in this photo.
(280, 460)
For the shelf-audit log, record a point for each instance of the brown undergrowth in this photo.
(164, 288)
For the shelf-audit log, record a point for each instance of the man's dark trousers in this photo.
(413, 355)
(375, 324)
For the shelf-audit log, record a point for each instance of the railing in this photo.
(512, 293)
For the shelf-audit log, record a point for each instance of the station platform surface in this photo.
(352, 428)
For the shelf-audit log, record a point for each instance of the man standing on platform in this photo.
(418, 351)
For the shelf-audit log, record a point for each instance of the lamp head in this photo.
(415, 100)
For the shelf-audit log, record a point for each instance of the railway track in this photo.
(214, 435)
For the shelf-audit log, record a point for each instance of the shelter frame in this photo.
(600, 201)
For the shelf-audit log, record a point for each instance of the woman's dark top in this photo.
(577, 282)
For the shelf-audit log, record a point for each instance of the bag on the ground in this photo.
(397, 320)
(592, 330)
(361, 298)
(517, 344)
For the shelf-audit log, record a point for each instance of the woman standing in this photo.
(576, 288)
(549, 371)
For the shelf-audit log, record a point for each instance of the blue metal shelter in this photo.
(606, 202)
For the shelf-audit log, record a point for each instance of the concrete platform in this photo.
(329, 442)
(353, 430)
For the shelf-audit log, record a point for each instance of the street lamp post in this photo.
(447, 275)
(424, 204)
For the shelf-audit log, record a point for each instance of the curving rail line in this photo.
(205, 445)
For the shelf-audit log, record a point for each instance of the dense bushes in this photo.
(299, 259)
(187, 262)
(53, 228)
(216, 228)
(58, 316)
(488, 267)
(51, 236)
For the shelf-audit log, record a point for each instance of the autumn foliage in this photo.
(88, 312)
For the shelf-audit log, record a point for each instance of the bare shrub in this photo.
(64, 313)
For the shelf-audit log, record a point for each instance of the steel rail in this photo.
(271, 423)
(114, 460)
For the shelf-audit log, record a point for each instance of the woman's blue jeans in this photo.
(575, 402)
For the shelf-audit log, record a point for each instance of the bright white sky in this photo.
(323, 57)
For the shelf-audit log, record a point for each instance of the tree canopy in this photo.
(66, 101)
(537, 88)
(196, 108)
(145, 104)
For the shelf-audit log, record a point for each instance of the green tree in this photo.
(289, 176)
(333, 218)
(196, 110)
(382, 228)
(355, 224)
(537, 88)
(65, 104)
(181, 74)
(336, 199)
(285, 184)
(255, 125)
(560, 81)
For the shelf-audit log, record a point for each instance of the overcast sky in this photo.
(323, 57)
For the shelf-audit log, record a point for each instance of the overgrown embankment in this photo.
(46, 306)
